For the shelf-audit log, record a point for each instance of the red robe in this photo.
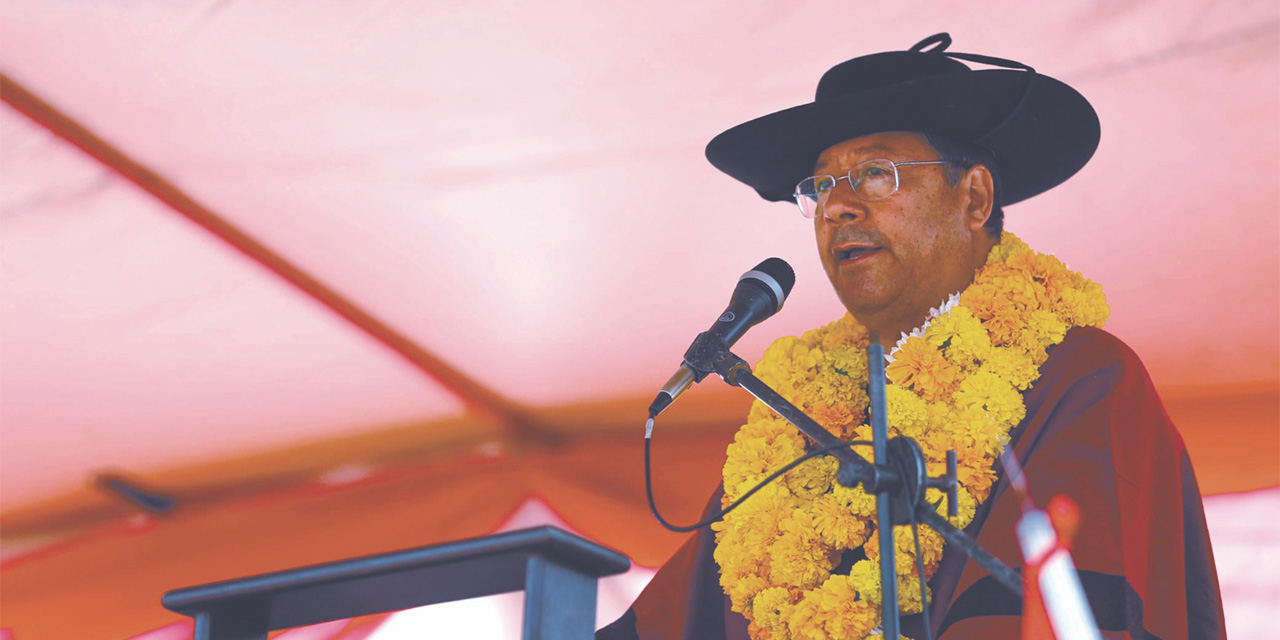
(1095, 430)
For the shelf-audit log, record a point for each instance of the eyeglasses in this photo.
(871, 180)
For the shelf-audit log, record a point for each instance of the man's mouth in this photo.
(854, 253)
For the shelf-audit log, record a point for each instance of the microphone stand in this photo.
(898, 495)
(884, 497)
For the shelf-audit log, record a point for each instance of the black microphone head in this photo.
(759, 294)
(777, 276)
(780, 271)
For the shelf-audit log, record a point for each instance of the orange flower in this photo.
(1016, 286)
(1045, 268)
(920, 366)
(844, 332)
(982, 300)
(999, 316)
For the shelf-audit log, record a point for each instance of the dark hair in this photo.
(963, 156)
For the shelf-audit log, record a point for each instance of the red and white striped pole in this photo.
(1054, 606)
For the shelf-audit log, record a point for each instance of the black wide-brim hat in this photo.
(1040, 130)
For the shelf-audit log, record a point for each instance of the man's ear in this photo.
(980, 194)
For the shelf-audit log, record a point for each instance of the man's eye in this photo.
(825, 183)
(875, 174)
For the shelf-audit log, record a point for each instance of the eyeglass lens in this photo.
(871, 180)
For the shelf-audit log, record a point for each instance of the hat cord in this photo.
(941, 41)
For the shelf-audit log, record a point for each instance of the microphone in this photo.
(759, 294)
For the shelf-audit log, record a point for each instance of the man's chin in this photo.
(864, 307)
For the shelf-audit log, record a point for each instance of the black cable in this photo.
(915, 534)
(924, 590)
(648, 482)
(648, 487)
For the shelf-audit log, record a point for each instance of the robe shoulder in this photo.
(1096, 432)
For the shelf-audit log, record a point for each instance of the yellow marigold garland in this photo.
(955, 383)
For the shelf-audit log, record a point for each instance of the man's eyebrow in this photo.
(859, 151)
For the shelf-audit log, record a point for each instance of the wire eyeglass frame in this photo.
(812, 201)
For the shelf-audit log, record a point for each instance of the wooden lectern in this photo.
(557, 570)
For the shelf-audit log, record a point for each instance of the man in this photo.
(904, 161)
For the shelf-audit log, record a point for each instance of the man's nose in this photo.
(842, 204)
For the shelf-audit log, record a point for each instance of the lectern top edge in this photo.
(547, 541)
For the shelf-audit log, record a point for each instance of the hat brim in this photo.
(1048, 140)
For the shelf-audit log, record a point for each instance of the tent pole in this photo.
(479, 399)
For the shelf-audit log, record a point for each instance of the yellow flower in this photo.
(961, 337)
(986, 391)
(920, 367)
(847, 360)
(798, 557)
(1044, 329)
(1085, 306)
(812, 478)
(771, 609)
(976, 435)
(864, 576)
(931, 545)
(768, 505)
(1013, 365)
(907, 413)
(909, 594)
(787, 364)
(804, 623)
(967, 508)
(837, 524)
(841, 613)
(757, 452)
(1009, 246)
(999, 316)
(1046, 269)
(845, 332)
(855, 499)
(1019, 287)
(834, 417)
(905, 550)
(743, 589)
(977, 476)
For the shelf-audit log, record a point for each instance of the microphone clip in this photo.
(709, 354)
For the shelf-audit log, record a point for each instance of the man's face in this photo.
(891, 260)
